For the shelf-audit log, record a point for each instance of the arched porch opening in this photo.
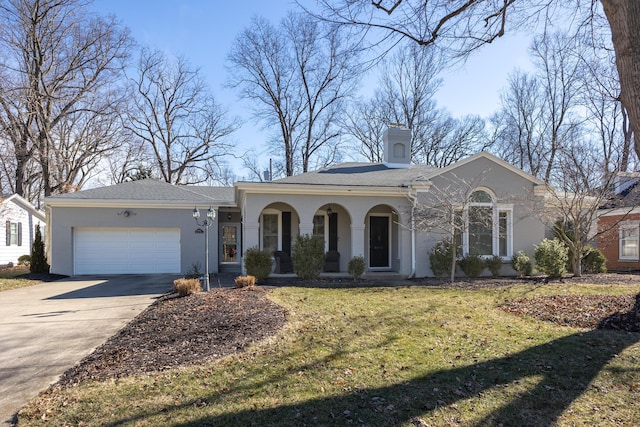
(332, 222)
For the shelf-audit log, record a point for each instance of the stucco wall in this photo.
(352, 211)
(63, 219)
(509, 188)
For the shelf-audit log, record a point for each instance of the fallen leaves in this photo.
(580, 311)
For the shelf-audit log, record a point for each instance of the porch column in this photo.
(250, 238)
(357, 240)
(306, 228)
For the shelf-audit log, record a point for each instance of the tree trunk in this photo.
(624, 20)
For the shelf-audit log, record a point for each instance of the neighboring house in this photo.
(619, 225)
(360, 209)
(19, 219)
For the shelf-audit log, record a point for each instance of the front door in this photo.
(379, 242)
(230, 244)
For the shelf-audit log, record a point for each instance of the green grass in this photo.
(9, 279)
(384, 357)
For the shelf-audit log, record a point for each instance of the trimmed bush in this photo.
(307, 256)
(245, 281)
(494, 265)
(24, 260)
(356, 267)
(522, 264)
(186, 287)
(258, 263)
(441, 257)
(194, 271)
(471, 265)
(593, 260)
(551, 257)
(38, 257)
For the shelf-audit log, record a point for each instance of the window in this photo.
(318, 225)
(270, 232)
(629, 241)
(487, 230)
(503, 241)
(320, 228)
(14, 233)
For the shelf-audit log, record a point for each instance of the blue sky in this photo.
(203, 31)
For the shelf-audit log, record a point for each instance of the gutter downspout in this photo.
(413, 199)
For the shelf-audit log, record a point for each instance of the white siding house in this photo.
(18, 220)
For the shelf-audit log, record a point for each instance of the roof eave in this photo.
(150, 204)
(357, 190)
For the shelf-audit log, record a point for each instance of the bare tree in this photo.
(178, 119)
(461, 27)
(520, 125)
(58, 56)
(365, 122)
(298, 76)
(407, 85)
(574, 204)
(538, 119)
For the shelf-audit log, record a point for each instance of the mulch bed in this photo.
(203, 327)
(183, 331)
(582, 311)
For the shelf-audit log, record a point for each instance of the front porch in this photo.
(349, 226)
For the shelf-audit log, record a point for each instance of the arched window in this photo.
(487, 228)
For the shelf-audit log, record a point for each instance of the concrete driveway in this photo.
(47, 328)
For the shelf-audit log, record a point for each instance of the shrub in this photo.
(356, 267)
(38, 257)
(593, 260)
(551, 257)
(24, 260)
(186, 287)
(441, 257)
(258, 263)
(308, 256)
(194, 271)
(522, 264)
(471, 265)
(493, 264)
(245, 281)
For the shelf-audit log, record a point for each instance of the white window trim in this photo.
(496, 237)
(628, 225)
(271, 212)
(13, 234)
(496, 208)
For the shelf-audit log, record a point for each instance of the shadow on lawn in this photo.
(565, 367)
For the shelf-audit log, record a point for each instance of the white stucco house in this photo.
(20, 219)
(361, 209)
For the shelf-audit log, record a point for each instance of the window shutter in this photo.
(8, 233)
(19, 234)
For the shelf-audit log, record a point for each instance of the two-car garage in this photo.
(126, 250)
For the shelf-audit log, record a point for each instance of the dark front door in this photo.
(378, 241)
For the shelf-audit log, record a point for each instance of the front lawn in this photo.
(9, 278)
(385, 356)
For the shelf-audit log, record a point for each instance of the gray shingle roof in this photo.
(152, 190)
(360, 174)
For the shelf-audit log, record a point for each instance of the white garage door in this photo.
(126, 250)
